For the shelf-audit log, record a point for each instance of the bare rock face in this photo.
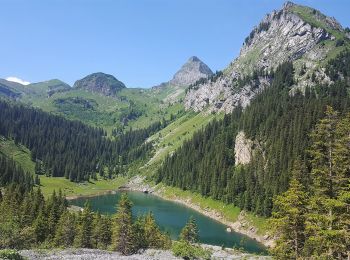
(283, 35)
(193, 70)
(243, 149)
(102, 83)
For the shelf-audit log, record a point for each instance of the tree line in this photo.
(279, 124)
(69, 148)
(11, 173)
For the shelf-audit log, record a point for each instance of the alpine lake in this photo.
(172, 217)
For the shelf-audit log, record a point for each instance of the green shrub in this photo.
(190, 251)
(10, 255)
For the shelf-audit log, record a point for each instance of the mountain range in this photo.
(242, 136)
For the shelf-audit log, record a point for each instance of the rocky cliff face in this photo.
(102, 83)
(289, 34)
(193, 70)
(243, 149)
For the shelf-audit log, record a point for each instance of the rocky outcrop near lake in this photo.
(149, 254)
(243, 149)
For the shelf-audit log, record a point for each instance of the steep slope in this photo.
(193, 70)
(295, 33)
(189, 73)
(101, 83)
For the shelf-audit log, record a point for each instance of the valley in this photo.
(257, 153)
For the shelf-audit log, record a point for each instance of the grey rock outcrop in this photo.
(102, 83)
(281, 36)
(193, 70)
(243, 149)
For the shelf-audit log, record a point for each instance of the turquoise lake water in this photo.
(172, 217)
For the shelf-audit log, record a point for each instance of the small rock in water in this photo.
(229, 230)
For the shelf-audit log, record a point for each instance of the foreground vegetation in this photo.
(311, 218)
(27, 220)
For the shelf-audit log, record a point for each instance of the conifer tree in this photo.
(190, 232)
(288, 220)
(153, 236)
(123, 236)
(40, 227)
(84, 230)
(326, 234)
(66, 230)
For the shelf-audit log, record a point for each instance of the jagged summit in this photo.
(294, 33)
(288, 4)
(101, 83)
(193, 70)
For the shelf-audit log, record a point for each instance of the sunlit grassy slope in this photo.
(48, 184)
(131, 108)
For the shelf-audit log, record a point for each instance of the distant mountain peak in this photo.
(100, 82)
(193, 70)
(194, 59)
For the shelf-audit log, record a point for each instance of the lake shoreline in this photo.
(239, 226)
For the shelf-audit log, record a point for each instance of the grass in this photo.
(108, 112)
(261, 223)
(21, 155)
(174, 135)
(49, 184)
(228, 211)
(18, 153)
(309, 16)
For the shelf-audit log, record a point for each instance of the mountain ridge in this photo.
(101, 83)
(295, 33)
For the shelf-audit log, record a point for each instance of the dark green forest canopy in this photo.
(278, 122)
(11, 173)
(70, 148)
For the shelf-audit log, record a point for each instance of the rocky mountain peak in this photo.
(293, 33)
(99, 82)
(288, 5)
(193, 70)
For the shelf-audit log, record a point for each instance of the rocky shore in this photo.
(241, 225)
(149, 254)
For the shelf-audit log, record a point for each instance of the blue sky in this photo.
(140, 42)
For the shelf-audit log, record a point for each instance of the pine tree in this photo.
(84, 231)
(190, 232)
(66, 230)
(105, 232)
(40, 227)
(288, 220)
(123, 236)
(327, 237)
(153, 236)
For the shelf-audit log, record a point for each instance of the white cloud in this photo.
(20, 81)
